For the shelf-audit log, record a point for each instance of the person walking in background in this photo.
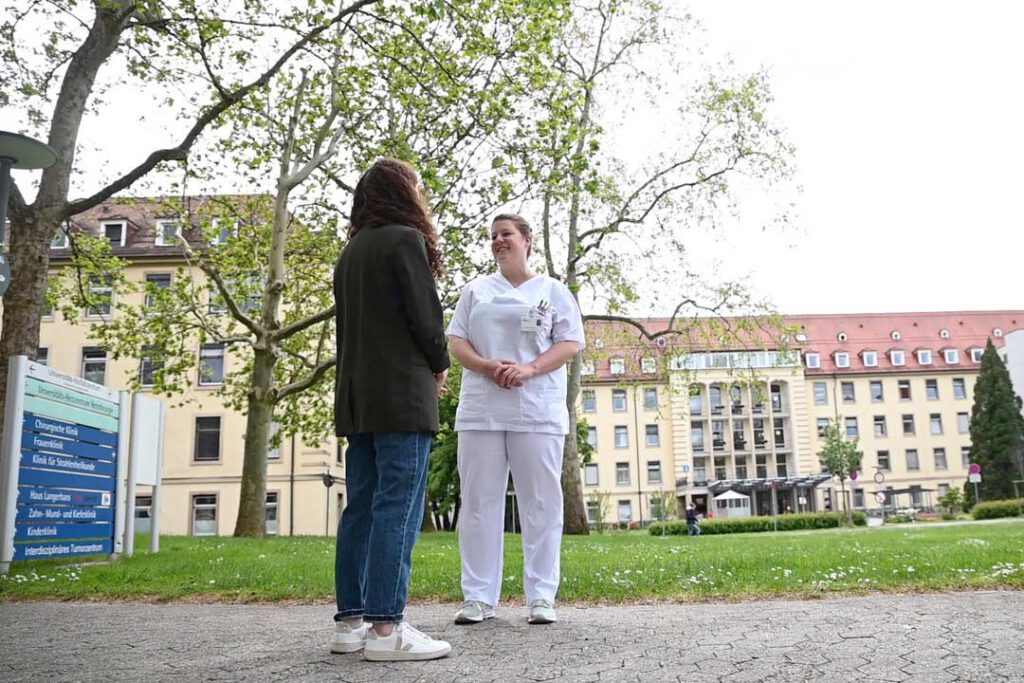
(513, 332)
(692, 523)
(392, 365)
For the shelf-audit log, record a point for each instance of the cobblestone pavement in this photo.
(932, 637)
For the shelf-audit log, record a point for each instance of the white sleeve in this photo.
(459, 325)
(567, 322)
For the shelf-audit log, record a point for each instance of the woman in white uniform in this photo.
(513, 332)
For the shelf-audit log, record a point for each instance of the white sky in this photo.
(906, 117)
(907, 121)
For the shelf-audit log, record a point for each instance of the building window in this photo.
(625, 511)
(592, 436)
(622, 474)
(940, 458)
(593, 510)
(590, 474)
(931, 389)
(223, 230)
(587, 367)
(858, 498)
(619, 400)
(908, 425)
(116, 233)
(959, 388)
(715, 396)
(651, 433)
(822, 424)
(43, 355)
(897, 358)
(648, 365)
(912, 461)
(935, 423)
(881, 430)
(842, 359)
(780, 433)
(274, 451)
(60, 239)
(272, 501)
(877, 395)
(952, 356)
(167, 233)
(813, 360)
(924, 357)
(846, 389)
(976, 355)
(883, 461)
(696, 400)
(94, 364)
(820, 394)
(870, 359)
(697, 436)
(101, 297)
(617, 366)
(207, 446)
(653, 471)
(621, 436)
(589, 401)
(204, 514)
(963, 423)
(651, 398)
(156, 284)
(904, 388)
(851, 428)
(965, 455)
(211, 364)
(776, 397)
(149, 365)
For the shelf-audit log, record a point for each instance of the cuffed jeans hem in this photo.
(385, 619)
(348, 614)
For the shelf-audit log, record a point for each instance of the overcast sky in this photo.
(907, 118)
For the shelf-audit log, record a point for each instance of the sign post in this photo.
(60, 492)
(974, 477)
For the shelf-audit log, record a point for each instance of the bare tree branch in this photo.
(310, 380)
(301, 325)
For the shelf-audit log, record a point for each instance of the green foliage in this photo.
(744, 525)
(586, 451)
(443, 486)
(839, 456)
(994, 509)
(951, 501)
(997, 430)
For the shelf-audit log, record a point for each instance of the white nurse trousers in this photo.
(535, 460)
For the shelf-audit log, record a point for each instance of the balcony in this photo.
(698, 446)
(758, 409)
(717, 410)
(740, 444)
(737, 408)
(718, 444)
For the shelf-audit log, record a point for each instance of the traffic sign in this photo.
(879, 477)
(974, 478)
(974, 468)
(880, 497)
(853, 475)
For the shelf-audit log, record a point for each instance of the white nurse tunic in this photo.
(517, 324)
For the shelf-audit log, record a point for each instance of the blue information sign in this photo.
(68, 430)
(46, 530)
(36, 551)
(65, 480)
(65, 463)
(53, 444)
(32, 495)
(57, 513)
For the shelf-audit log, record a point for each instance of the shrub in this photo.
(900, 519)
(745, 525)
(994, 509)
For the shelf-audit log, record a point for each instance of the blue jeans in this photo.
(386, 480)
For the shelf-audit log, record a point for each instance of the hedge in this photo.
(743, 525)
(993, 509)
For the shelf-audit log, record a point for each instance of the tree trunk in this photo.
(252, 504)
(574, 514)
(30, 243)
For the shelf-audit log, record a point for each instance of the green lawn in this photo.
(613, 568)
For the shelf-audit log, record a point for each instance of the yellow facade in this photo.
(201, 496)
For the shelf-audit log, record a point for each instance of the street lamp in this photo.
(17, 151)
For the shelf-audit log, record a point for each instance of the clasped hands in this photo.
(507, 374)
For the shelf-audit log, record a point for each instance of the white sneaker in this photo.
(348, 639)
(473, 612)
(405, 643)
(542, 612)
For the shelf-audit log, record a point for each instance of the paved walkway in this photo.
(933, 638)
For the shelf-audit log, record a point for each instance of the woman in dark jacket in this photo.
(392, 365)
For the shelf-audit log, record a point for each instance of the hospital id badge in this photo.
(531, 323)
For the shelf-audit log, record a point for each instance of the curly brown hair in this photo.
(389, 194)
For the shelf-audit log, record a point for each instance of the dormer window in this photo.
(976, 354)
(116, 232)
(587, 367)
(60, 240)
(870, 359)
(813, 360)
(168, 232)
(617, 366)
(897, 357)
(952, 356)
(924, 356)
(647, 365)
(842, 359)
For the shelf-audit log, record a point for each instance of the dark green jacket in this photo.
(390, 334)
